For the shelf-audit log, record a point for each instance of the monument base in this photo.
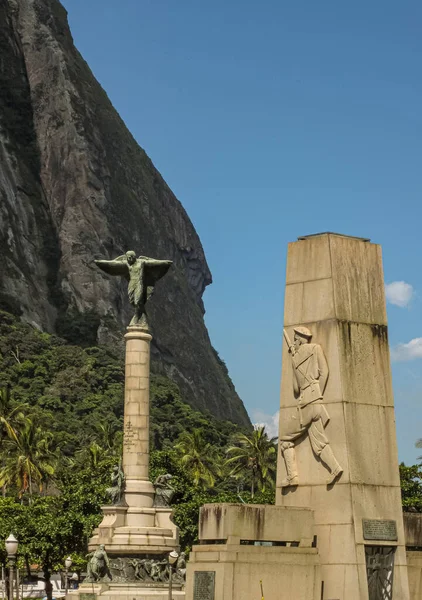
(234, 572)
(133, 531)
(243, 546)
(126, 591)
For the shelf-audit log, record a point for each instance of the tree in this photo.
(254, 454)
(199, 458)
(29, 458)
(109, 438)
(419, 445)
(411, 487)
(9, 411)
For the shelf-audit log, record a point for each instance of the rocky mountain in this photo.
(76, 186)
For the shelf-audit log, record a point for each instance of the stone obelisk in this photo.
(338, 451)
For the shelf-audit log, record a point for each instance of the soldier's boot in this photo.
(327, 456)
(292, 478)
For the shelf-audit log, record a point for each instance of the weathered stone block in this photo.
(306, 262)
(365, 361)
(358, 280)
(318, 301)
(293, 304)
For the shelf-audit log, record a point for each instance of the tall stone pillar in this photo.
(135, 527)
(341, 380)
(139, 490)
(137, 531)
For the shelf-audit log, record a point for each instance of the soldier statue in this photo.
(310, 375)
(142, 273)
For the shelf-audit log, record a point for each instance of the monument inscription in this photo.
(377, 529)
(204, 585)
(128, 435)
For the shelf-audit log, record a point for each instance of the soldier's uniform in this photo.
(309, 368)
(310, 375)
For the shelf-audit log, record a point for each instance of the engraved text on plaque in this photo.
(376, 529)
(203, 586)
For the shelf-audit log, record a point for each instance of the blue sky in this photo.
(272, 120)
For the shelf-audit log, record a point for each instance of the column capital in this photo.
(137, 333)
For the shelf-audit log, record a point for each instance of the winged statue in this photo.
(142, 273)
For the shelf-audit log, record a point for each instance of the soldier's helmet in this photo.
(303, 332)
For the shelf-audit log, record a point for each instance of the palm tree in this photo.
(108, 438)
(198, 457)
(8, 412)
(91, 454)
(255, 453)
(105, 443)
(418, 444)
(30, 459)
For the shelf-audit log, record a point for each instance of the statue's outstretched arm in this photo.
(118, 266)
(155, 269)
(152, 262)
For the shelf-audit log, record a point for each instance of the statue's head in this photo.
(302, 336)
(101, 547)
(131, 257)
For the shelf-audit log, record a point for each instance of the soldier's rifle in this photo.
(290, 346)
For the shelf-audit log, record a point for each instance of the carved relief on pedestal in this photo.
(310, 376)
(147, 568)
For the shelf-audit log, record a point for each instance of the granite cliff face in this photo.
(75, 186)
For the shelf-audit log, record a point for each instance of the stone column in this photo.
(139, 491)
(335, 291)
(137, 527)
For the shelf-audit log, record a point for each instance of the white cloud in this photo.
(270, 422)
(399, 293)
(409, 351)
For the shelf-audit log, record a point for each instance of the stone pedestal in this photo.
(243, 545)
(137, 530)
(129, 591)
(335, 289)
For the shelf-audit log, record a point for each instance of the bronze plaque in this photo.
(377, 529)
(203, 585)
